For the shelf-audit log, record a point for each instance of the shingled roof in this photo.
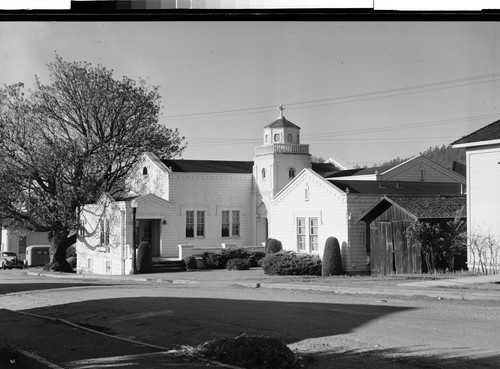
(397, 187)
(209, 166)
(280, 123)
(420, 207)
(489, 133)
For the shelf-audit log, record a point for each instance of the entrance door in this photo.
(149, 231)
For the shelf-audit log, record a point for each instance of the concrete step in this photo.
(165, 266)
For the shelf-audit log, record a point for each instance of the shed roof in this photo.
(397, 187)
(419, 207)
(488, 133)
(209, 166)
(280, 123)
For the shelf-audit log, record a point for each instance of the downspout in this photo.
(134, 240)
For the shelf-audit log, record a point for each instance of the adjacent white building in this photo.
(483, 193)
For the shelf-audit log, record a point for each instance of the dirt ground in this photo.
(327, 330)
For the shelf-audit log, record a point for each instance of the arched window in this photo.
(144, 171)
(291, 173)
(263, 171)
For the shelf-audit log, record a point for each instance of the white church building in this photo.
(183, 207)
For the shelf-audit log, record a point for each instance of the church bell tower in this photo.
(276, 163)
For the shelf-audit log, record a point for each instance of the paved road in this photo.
(354, 330)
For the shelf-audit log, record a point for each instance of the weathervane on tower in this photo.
(281, 108)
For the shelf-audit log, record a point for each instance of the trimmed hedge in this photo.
(288, 263)
(191, 263)
(332, 259)
(238, 264)
(219, 259)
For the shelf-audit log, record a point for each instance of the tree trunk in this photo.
(60, 243)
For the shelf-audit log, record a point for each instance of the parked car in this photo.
(10, 260)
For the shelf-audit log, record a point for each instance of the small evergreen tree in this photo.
(144, 258)
(273, 246)
(332, 259)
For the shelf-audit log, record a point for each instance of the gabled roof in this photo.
(324, 169)
(420, 207)
(397, 187)
(209, 166)
(363, 171)
(485, 135)
(280, 123)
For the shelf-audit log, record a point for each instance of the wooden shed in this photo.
(386, 224)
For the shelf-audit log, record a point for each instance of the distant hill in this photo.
(444, 156)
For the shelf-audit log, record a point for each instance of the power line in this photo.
(349, 98)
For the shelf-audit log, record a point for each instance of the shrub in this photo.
(287, 263)
(219, 259)
(255, 258)
(72, 261)
(238, 264)
(251, 352)
(273, 246)
(71, 252)
(191, 263)
(332, 259)
(144, 258)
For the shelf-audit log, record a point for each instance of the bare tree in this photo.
(66, 142)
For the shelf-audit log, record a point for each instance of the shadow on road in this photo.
(406, 358)
(23, 287)
(169, 321)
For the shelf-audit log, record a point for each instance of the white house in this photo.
(312, 208)
(483, 193)
(18, 241)
(182, 207)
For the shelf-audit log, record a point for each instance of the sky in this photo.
(362, 92)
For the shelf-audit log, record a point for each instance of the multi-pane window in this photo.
(236, 223)
(307, 234)
(291, 172)
(104, 231)
(230, 223)
(189, 223)
(195, 226)
(200, 223)
(313, 234)
(301, 234)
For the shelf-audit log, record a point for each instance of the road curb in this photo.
(418, 291)
(455, 295)
(34, 361)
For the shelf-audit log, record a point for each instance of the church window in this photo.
(263, 173)
(301, 234)
(230, 223)
(277, 137)
(144, 171)
(289, 137)
(306, 193)
(189, 223)
(313, 234)
(291, 172)
(200, 223)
